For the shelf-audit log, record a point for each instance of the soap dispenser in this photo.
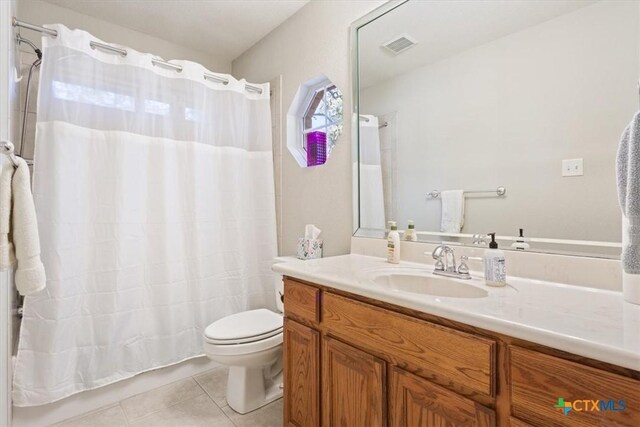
(520, 243)
(410, 235)
(393, 244)
(494, 264)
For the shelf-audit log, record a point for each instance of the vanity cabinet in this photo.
(354, 361)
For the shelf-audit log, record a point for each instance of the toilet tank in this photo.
(279, 288)
(278, 284)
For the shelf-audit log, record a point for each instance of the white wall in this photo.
(507, 113)
(315, 40)
(39, 13)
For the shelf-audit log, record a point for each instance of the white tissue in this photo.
(311, 231)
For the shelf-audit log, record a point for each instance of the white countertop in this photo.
(589, 322)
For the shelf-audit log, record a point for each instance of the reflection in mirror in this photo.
(530, 97)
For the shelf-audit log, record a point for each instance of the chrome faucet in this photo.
(446, 263)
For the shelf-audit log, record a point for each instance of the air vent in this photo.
(400, 43)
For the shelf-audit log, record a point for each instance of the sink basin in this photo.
(420, 282)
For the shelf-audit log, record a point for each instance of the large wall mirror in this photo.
(495, 116)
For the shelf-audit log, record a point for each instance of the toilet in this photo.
(250, 344)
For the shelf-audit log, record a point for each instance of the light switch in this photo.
(572, 167)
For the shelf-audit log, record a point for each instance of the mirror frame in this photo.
(433, 236)
(355, 102)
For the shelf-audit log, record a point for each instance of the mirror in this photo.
(495, 116)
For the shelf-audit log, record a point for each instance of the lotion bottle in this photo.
(494, 264)
(520, 243)
(410, 235)
(393, 244)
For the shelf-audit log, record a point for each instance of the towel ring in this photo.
(8, 150)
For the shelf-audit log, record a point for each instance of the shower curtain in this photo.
(155, 199)
(371, 190)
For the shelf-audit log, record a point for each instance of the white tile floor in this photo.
(196, 401)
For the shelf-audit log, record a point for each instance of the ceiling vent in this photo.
(400, 43)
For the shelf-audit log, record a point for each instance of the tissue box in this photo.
(309, 248)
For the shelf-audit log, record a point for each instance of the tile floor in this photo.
(196, 401)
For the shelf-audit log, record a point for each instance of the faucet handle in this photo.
(437, 255)
(463, 268)
(437, 252)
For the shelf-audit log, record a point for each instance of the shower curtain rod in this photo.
(367, 120)
(157, 62)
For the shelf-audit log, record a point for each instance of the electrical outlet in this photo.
(572, 167)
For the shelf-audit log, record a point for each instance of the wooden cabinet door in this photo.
(353, 387)
(301, 375)
(416, 402)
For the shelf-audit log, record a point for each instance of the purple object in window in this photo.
(316, 148)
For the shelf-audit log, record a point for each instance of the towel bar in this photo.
(500, 191)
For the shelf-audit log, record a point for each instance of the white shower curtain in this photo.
(155, 200)
(371, 189)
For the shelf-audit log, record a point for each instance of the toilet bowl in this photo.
(250, 344)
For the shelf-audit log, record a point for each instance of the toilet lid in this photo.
(246, 326)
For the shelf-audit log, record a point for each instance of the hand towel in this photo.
(452, 218)
(29, 276)
(628, 176)
(7, 256)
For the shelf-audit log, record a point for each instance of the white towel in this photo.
(628, 173)
(7, 256)
(21, 230)
(452, 218)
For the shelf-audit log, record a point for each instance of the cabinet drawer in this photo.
(302, 301)
(538, 381)
(446, 356)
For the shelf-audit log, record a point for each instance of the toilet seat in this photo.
(245, 349)
(247, 340)
(245, 327)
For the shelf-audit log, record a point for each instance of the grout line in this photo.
(228, 417)
(161, 409)
(214, 402)
(86, 414)
(126, 419)
(205, 390)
